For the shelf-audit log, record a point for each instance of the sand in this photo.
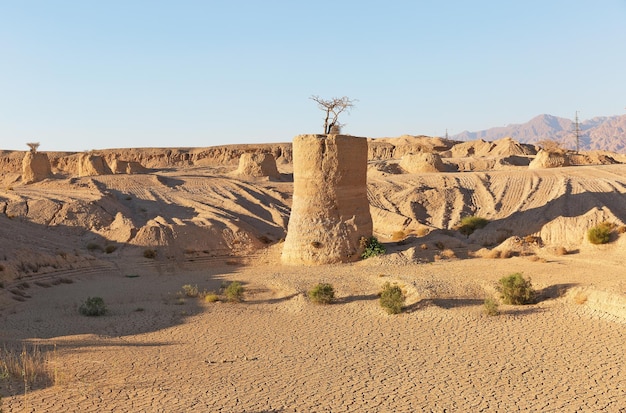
(276, 351)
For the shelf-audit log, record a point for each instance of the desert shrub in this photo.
(211, 297)
(600, 234)
(398, 235)
(515, 289)
(190, 290)
(92, 246)
(440, 245)
(110, 248)
(322, 293)
(371, 247)
(621, 229)
(93, 307)
(422, 231)
(149, 253)
(560, 250)
(234, 292)
(392, 298)
(470, 224)
(490, 307)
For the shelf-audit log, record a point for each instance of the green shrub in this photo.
(371, 247)
(515, 289)
(600, 234)
(93, 307)
(149, 253)
(392, 298)
(470, 224)
(234, 292)
(491, 307)
(322, 293)
(211, 297)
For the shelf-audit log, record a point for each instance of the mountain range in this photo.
(606, 133)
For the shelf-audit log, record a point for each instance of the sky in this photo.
(85, 74)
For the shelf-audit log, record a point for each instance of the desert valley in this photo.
(159, 233)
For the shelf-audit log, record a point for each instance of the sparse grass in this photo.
(93, 307)
(392, 298)
(601, 233)
(190, 290)
(31, 365)
(322, 293)
(490, 307)
(470, 224)
(149, 253)
(515, 289)
(234, 292)
(371, 247)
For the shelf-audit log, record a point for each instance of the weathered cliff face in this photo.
(35, 167)
(330, 210)
(258, 165)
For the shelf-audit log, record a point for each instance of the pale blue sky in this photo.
(86, 74)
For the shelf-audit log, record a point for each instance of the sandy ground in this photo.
(278, 352)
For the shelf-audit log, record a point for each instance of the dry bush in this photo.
(601, 233)
(424, 246)
(490, 307)
(422, 231)
(30, 365)
(149, 253)
(621, 229)
(515, 289)
(560, 250)
(580, 298)
(322, 293)
(398, 235)
(448, 254)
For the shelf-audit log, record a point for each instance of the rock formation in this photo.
(92, 165)
(258, 164)
(126, 167)
(35, 167)
(330, 210)
(422, 162)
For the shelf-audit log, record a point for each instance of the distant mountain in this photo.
(606, 133)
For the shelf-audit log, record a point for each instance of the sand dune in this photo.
(68, 238)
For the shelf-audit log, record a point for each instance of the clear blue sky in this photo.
(85, 74)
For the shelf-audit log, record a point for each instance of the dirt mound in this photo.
(92, 165)
(258, 165)
(422, 162)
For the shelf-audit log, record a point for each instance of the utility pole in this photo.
(577, 133)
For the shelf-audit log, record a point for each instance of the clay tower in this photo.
(330, 211)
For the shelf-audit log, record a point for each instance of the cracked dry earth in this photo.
(278, 352)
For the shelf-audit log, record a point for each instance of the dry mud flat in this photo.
(277, 352)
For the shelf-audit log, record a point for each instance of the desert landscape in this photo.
(159, 234)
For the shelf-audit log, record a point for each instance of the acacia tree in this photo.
(333, 108)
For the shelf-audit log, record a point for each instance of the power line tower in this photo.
(577, 132)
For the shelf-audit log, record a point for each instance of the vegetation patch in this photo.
(110, 249)
(470, 224)
(234, 292)
(392, 298)
(190, 290)
(371, 247)
(93, 307)
(149, 253)
(322, 293)
(600, 234)
(30, 365)
(516, 290)
(490, 307)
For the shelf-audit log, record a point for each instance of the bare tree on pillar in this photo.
(333, 108)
